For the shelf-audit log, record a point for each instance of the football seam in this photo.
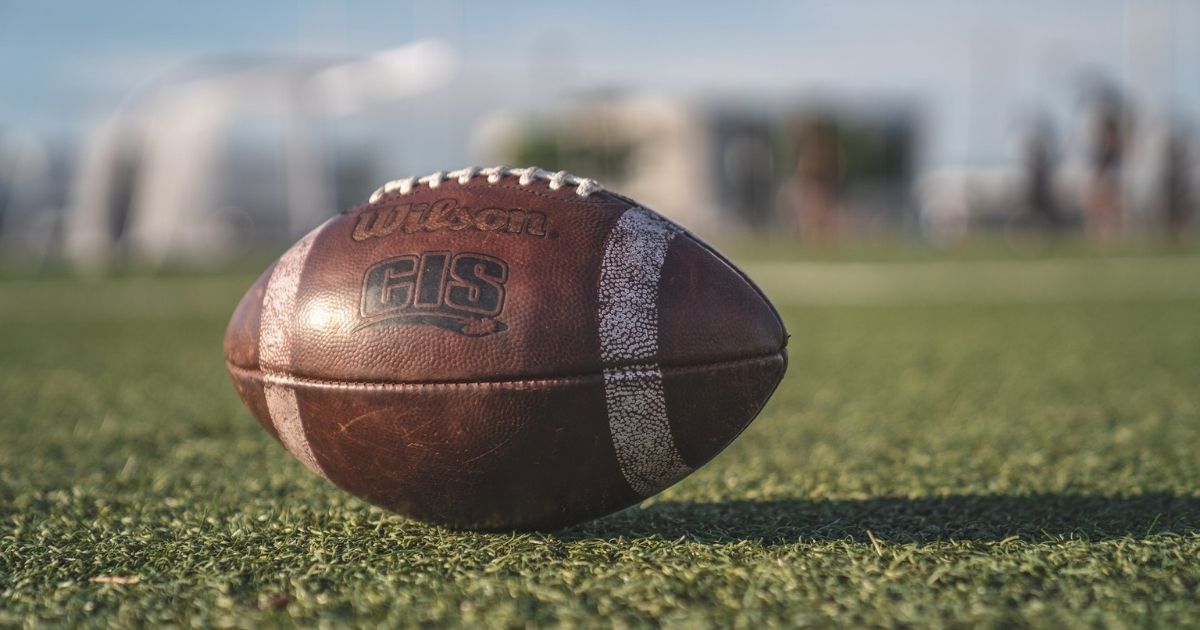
(565, 379)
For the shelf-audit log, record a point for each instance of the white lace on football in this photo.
(583, 186)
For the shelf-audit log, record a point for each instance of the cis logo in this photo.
(462, 293)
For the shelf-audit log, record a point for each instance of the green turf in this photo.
(952, 456)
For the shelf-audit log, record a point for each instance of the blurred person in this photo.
(811, 197)
(1176, 201)
(749, 172)
(1102, 203)
(5, 185)
(1042, 208)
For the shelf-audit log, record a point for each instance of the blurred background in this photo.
(978, 220)
(158, 133)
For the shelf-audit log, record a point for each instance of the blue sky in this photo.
(975, 68)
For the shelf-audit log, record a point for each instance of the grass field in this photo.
(980, 442)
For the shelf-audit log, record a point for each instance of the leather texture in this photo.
(447, 353)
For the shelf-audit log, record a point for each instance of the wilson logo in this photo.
(462, 293)
(446, 215)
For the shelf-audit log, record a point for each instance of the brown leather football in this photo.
(504, 349)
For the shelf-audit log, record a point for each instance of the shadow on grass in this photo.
(981, 518)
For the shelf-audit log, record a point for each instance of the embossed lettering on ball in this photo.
(504, 349)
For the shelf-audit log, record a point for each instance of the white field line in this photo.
(978, 282)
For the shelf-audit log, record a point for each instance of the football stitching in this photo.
(494, 174)
(601, 199)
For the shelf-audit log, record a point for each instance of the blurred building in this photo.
(230, 156)
(728, 166)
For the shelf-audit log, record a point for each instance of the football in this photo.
(504, 349)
